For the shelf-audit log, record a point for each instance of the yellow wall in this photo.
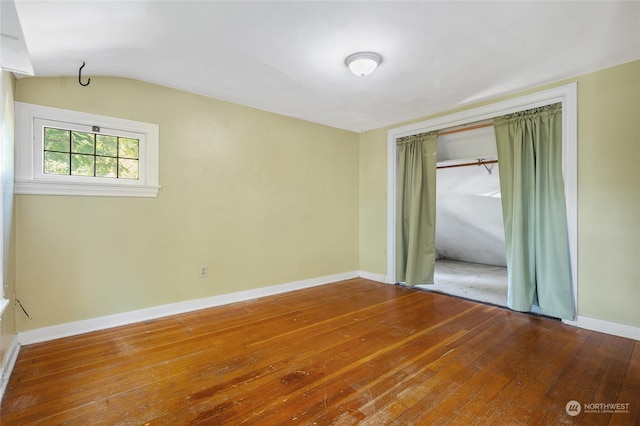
(373, 202)
(259, 198)
(608, 194)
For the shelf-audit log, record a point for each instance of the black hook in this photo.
(80, 76)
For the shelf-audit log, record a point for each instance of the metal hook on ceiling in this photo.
(80, 76)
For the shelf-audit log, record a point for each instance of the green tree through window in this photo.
(69, 152)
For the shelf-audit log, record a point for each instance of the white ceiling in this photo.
(288, 56)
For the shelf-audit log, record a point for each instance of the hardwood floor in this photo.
(354, 352)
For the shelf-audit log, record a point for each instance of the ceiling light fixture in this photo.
(363, 63)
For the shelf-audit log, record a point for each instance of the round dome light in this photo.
(363, 63)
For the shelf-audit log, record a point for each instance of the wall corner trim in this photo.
(85, 326)
(374, 277)
(8, 363)
(608, 327)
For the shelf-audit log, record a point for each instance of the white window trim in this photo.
(567, 95)
(29, 178)
(3, 190)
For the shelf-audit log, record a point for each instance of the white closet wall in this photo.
(468, 206)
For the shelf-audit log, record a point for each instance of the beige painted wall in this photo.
(608, 194)
(259, 198)
(373, 202)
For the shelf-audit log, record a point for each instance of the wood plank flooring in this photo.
(354, 352)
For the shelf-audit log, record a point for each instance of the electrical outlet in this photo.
(204, 272)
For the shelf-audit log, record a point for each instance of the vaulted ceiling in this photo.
(288, 57)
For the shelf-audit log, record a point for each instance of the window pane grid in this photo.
(77, 153)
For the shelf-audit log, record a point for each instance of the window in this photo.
(61, 152)
(68, 152)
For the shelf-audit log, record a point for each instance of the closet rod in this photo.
(477, 163)
(464, 129)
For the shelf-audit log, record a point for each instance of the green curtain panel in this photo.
(533, 204)
(416, 209)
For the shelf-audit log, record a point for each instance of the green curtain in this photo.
(533, 204)
(416, 209)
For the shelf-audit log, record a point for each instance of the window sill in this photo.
(31, 187)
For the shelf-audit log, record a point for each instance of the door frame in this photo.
(566, 94)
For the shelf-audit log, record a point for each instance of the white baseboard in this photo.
(613, 328)
(608, 327)
(9, 363)
(374, 277)
(101, 323)
(79, 327)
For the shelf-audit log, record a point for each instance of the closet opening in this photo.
(566, 96)
(470, 244)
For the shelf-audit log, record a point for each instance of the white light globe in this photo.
(363, 63)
